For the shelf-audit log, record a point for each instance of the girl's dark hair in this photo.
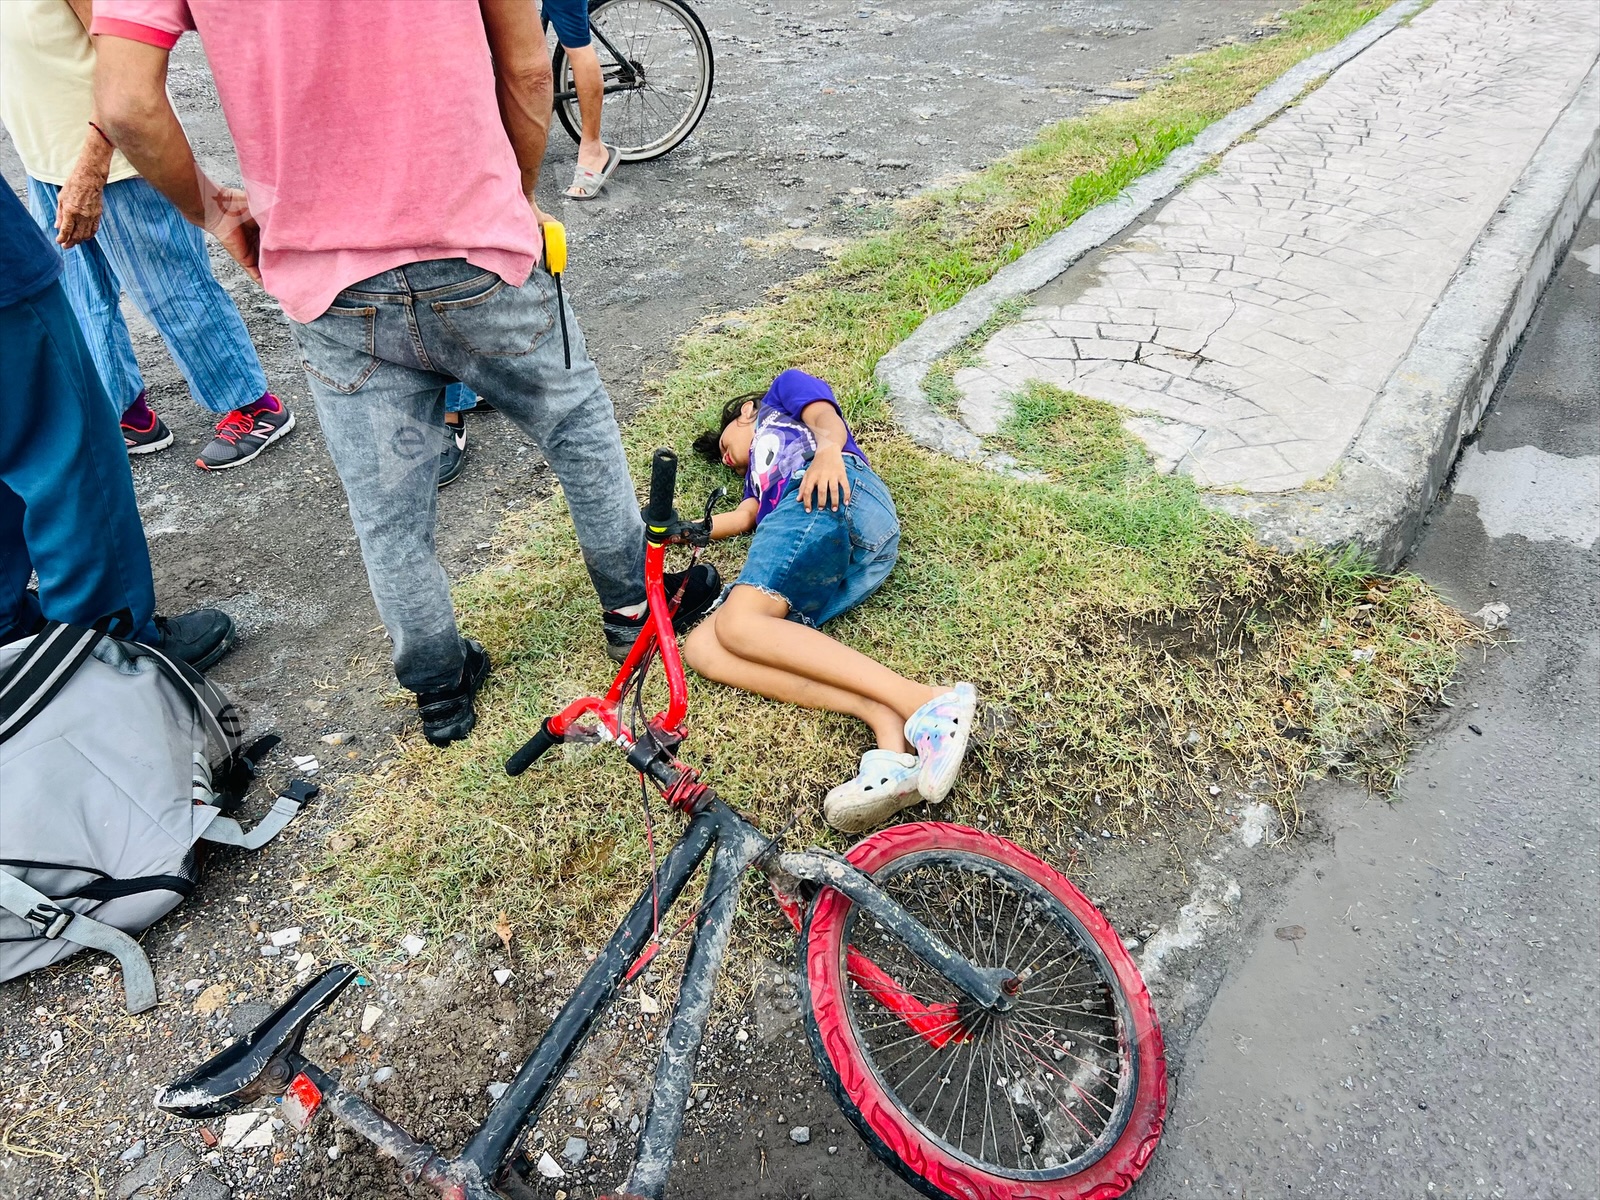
(709, 444)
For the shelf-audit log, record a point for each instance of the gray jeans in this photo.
(378, 362)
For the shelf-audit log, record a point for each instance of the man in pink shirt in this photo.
(390, 150)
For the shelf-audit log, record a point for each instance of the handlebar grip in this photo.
(532, 750)
(663, 484)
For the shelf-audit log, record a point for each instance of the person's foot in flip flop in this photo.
(587, 181)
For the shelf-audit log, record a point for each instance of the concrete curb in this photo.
(902, 370)
(1405, 450)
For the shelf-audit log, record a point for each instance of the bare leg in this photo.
(705, 652)
(751, 625)
(590, 86)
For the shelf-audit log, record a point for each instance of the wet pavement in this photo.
(1415, 1016)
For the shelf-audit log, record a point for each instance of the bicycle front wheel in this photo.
(656, 62)
(1062, 1095)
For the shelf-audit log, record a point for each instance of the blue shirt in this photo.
(783, 445)
(28, 262)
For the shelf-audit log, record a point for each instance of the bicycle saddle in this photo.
(256, 1064)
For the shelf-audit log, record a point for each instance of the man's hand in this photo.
(826, 482)
(79, 203)
(229, 220)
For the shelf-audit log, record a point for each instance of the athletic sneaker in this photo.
(200, 638)
(938, 732)
(245, 433)
(156, 436)
(886, 783)
(454, 454)
(703, 590)
(449, 716)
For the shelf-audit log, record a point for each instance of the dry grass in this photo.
(1136, 648)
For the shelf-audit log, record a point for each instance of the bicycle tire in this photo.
(890, 1125)
(639, 147)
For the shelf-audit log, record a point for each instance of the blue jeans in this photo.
(144, 247)
(458, 397)
(822, 562)
(379, 362)
(67, 508)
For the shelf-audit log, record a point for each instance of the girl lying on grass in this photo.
(826, 536)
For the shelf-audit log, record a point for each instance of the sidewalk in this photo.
(1253, 322)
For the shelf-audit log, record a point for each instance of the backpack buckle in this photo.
(48, 920)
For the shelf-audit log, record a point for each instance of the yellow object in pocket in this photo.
(555, 261)
(555, 247)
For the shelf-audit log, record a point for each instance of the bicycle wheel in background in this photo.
(1063, 1095)
(654, 98)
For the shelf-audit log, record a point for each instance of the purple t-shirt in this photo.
(782, 445)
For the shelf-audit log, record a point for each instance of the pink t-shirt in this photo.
(367, 130)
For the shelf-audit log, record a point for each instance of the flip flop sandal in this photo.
(938, 731)
(586, 184)
(875, 794)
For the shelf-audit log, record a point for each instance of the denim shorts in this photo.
(571, 19)
(825, 562)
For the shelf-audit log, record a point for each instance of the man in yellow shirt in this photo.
(118, 234)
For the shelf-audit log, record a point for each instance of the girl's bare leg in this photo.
(751, 625)
(705, 652)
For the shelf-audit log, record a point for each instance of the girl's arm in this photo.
(826, 482)
(740, 520)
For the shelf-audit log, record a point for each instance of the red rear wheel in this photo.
(1062, 1095)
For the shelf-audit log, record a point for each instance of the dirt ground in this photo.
(821, 111)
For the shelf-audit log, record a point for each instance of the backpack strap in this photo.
(226, 831)
(48, 920)
(40, 671)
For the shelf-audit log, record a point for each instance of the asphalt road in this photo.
(1433, 1031)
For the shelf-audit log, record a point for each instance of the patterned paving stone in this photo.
(1251, 323)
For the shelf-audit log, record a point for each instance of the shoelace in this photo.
(235, 425)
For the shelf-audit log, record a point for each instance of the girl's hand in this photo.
(826, 481)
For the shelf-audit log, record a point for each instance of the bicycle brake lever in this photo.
(716, 498)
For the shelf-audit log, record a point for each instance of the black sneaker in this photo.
(705, 585)
(454, 453)
(245, 433)
(200, 638)
(449, 716)
(147, 441)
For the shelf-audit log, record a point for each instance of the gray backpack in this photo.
(115, 759)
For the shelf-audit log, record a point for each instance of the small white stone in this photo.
(549, 1167)
(258, 1138)
(285, 937)
(800, 1134)
(503, 976)
(496, 1090)
(370, 1016)
(383, 1075)
(235, 1127)
(412, 944)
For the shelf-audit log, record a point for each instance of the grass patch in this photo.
(1140, 653)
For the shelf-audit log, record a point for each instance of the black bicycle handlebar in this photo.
(663, 485)
(532, 750)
